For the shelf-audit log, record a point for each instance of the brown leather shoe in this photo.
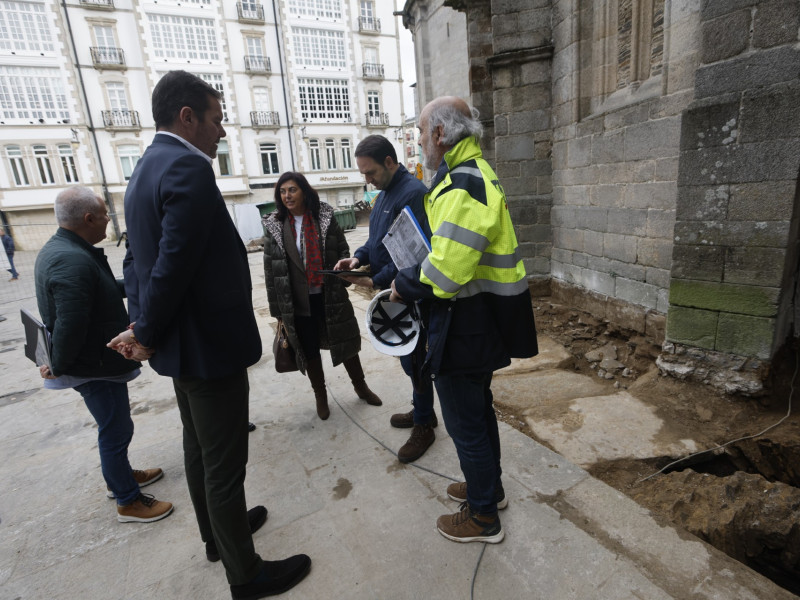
(143, 478)
(406, 420)
(422, 437)
(145, 509)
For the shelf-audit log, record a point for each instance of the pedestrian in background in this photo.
(8, 245)
(303, 237)
(190, 298)
(377, 161)
(474, 285)
(80, 301)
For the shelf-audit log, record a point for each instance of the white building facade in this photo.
(303, 82)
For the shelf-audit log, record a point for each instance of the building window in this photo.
(117, 97)
(224, 158)
(186, 38)
(269, 159)
(43, 165)
(215, 81)
(68, 163)
(330, 154)
(368, 9)
(374, 104)
(17, 164)
(347, 161)
(261, 99)
(323, 9)
(313, 150)
(128, 157)
(24, 27)
(324, 99)
(32, 93)
(319, 47)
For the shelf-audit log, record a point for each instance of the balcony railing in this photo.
(103, 4)
(377, 119)
(121, 119)
(264, 118)
(250, 12)
(108, 58)
(257, 64)
(372, 70)
(369, 25)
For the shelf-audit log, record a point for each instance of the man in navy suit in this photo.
(190, 301)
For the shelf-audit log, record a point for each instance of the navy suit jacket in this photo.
(187, 275)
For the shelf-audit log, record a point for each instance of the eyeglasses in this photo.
(291, 190)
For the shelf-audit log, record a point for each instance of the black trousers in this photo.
(308, 327)
(214, 413)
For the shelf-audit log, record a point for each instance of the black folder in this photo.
(37, 339)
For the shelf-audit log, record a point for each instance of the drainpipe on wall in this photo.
(283, 84)
(106, 194)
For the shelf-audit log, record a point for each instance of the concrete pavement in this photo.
(334, 490)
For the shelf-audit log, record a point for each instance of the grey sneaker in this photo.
(458, 492)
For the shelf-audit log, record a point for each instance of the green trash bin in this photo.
(264, 210)
(346, 217)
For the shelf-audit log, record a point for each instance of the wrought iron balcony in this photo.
(257, 64)
(250, 12)
(264, 118)
(369, 25)
(101, 4)
(372, 70)
(121, 119)
(377, 119)
(107, 57)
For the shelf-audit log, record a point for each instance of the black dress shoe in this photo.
(276, 577)
(256, 517)
(251, 427)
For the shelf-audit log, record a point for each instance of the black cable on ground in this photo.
(421, 468)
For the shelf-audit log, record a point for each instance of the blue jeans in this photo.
(421, 398)
(469, 417)
(108, 402)
(12, 270)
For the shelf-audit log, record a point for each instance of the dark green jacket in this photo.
(287, 286)
(80, 303)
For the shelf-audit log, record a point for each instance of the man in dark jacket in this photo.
(190, 299)
(475, 288)
(8, 246)
(377, 161)
(80, 302)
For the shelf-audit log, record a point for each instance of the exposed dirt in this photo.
(746, 500)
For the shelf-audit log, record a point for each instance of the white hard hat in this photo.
(392, 327)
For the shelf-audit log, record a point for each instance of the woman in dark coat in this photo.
(302, 237)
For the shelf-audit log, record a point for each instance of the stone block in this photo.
(579, 176)
(508, 169)
(589, 126)
(767, 201)
(514, 147)
(579, 152)
(658, 277)
(655, 253)
(757, 69)
(709, 126)
(661, 195)
(771, 115)
(700, 233)
(741, 163)
(609, 147)
(594, 218)
(577, 195)
(655, 326)
(624, 117)
(725, 36)
(660, 223)
(702, 203)
(527, 121)
(663, 301)
(692, 327)
(642, 171)
(617, 268)
(666, 169)
(544, 184)
(569, 239)
(500, 125)
(520, 40)
(522, 97)
(579, 259)
(626, 315)
(561, 256)
(620, 247)
(598, 282)
(670, 105)
(716, 8)
(769, 234)
(637, 292)
(534, 72)
(704, 263)
(742, 299)
(628, 221)
(755, 266)
(745, 336)
(776, 23)
(563, 216)
(653, 139)
(593, 242)
(607, 195)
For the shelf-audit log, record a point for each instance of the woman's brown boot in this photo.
(353, 366)
(317, 377)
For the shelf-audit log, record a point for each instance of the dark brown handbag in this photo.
(285, 361)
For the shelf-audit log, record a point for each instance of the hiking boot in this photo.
(406, 420)
(458, 492)
(422, 437)
(145, 509)
(256, 517)
(276, 577)
(143, 478)
(467, 526)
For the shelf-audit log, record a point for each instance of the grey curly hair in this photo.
(455, 124)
